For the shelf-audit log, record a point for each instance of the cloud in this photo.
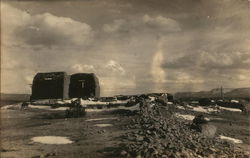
(142, 24)
(162, 23)
(184, 77)
(49, 30)
(78, 68)
(201, 70)
(117, 85)
(117, 25)
(121, 46)
(112, 76)
(12, 19)
(211, 60)
(45, 29)
(16, 81)
(115, 67)
(158, 74)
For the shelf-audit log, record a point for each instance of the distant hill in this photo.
(237, 93)
(13, 98)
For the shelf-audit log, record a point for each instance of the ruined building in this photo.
(84, 85)
(59, 85)
(53, 85)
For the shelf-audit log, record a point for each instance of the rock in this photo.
(212, 150)
(208, 130)
(24, 105)
(213, 156)
(139, 138)
(165, 136)
(199, 119)
(156, 152)
(130, 137)
(50, 154)
(123, 153)
(163, 100)
(138, 156)
(185, 154)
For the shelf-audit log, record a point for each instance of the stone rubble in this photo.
(155, 132)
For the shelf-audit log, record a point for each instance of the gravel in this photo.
(156, 132)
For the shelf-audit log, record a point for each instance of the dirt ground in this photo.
(18, 127)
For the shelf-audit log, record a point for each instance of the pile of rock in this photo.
(155, 134)
(75, 110)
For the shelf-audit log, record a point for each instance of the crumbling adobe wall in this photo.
(84, 85)
(52, 85)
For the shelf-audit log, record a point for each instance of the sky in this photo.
(133, 46)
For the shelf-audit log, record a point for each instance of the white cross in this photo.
(82, 83)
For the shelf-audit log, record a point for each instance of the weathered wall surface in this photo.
(59, 85)
(52, 85)
(84, 85)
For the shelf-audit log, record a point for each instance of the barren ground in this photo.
(18, 127)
